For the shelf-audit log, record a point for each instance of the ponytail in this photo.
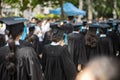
(11, 67)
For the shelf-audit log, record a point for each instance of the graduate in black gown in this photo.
(91, 41)
(112, 33)
(57, 64)
(33, 39)
(76, 46)
(18, 62)
(105, 46)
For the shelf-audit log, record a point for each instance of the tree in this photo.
(0, 7)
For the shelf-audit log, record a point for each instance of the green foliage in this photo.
(100, 7)
(24, 5)
(13, 3)
(40, 16)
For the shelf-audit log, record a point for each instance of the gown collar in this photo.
(54, 43)
(75, 32)
(103, 35)
(16, 43)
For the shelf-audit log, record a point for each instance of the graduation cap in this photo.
(104, 25)
(14, 25)
(111, 23)
(12, 20)
(68, 28)
(93, 26)
(77, 27)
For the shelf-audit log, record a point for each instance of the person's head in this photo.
(57, 35)
(71, 18)
(34, 20)
(39, 23)
(15, 30)
(31, 30)
(76, 27)
(28, 8)
(14, 26)
(102, 68)
(103, 28)
(91, 37)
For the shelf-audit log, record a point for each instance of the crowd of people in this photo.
(50, 49)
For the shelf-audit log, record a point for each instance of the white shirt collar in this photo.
(75, 32)
(83, 27)
(54, 43)
(16, 43)
(109, 29)
(103, 35)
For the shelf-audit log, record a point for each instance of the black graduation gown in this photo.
(47, 38)
(91, 52)
(2, 40)
(105, 46)
(76, 47)
(27, 65)
(119, 47)
(24, 43)
(57, 64)
(115, 41)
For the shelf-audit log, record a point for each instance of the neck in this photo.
(18, 38)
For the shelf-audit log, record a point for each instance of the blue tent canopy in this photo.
(69, 9)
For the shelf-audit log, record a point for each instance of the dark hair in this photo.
(31, 31)
(102, 31)
(39, 21)
(10, 66)
(57, 35)
(15, 30)
(91, 39)
(34, 40)
(70, 17)
(34, 18)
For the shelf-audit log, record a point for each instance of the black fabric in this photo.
(91, 52)
(115, 41)
(57, 64)
(2, 40)
(24, 43)
(105, 46)
(27, 64)
(47, 38)
(68, 28)
(76, 47)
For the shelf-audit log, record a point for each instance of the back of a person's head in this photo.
(91, 39)
(101, 68)
(57, 35)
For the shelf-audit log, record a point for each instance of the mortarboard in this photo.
(12, 20)
(111, 23)
(94, 26)
(14, 25)
(104, 25)
(77, 27)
